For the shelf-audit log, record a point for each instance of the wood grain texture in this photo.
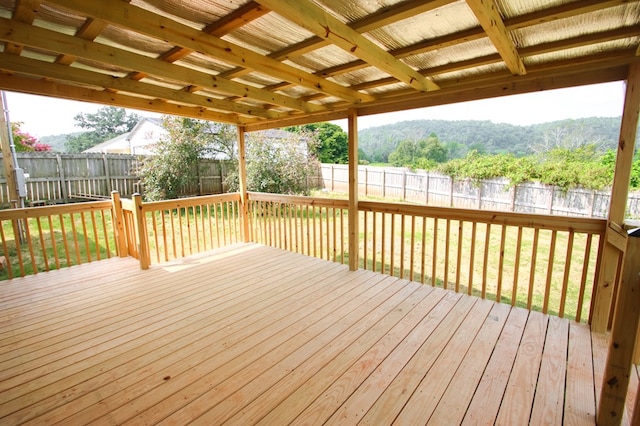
(253, 334)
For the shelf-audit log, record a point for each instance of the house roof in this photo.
(123, 140)
(270, 63)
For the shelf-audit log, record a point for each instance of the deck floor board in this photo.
(255, 335)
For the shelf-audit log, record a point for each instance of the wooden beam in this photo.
(354, 220)
(396, 12)
(619, 364)
(606, 280)
(488, 15)
(129, 16)
(62, 43)
(295, 120)
(534, 18)
(65, 91)
(224, 25)
(566, 10)
(25, 11)
(380, 18)
(242, 178)
(63, 73)
(88, 31)
(319, 22)
(236, 19)
(498, 85)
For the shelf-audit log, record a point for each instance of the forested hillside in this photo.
(491, 138)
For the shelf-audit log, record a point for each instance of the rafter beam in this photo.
(140, 20)
(25, 11)
(319, 22)
(33, 67)
(88, 31)
(63, 91)
(534, 18)
(224, 25)
(378, 19)
(61, 43)
(488, 15)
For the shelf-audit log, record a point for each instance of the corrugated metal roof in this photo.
(267, 63)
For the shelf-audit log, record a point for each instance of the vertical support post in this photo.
(141, 231)
(618, 202)
(118, 224)
(242, 177)
(615, 382)
(354, 249)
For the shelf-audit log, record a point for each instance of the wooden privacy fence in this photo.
(64, 178)
(539, 262)
(490, 194)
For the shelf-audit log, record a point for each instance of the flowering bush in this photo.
(24, 142)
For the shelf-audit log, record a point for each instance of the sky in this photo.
(42, 116)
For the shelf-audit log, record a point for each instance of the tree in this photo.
(24, 142)
(173, 165)
(331, 142)
(406, 154)
(106, 123)
(423, 153)
(434, 150)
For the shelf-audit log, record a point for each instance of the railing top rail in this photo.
(528, 220)
(300, 200)
(189, 202)
(33, 212)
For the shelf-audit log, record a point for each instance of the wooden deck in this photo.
(252, 334)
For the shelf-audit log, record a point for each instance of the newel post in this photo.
(118, 224)
(615, 382)
(141, 232)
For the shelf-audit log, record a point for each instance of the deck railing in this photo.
(163, 230)
(45, 238)
(540, 262)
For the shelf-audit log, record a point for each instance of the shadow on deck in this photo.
(253, 334)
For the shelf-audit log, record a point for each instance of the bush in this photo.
(174, 162)
(279, 166)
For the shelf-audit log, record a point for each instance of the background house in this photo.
(138, 141)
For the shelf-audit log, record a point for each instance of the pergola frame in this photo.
(257, 66)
